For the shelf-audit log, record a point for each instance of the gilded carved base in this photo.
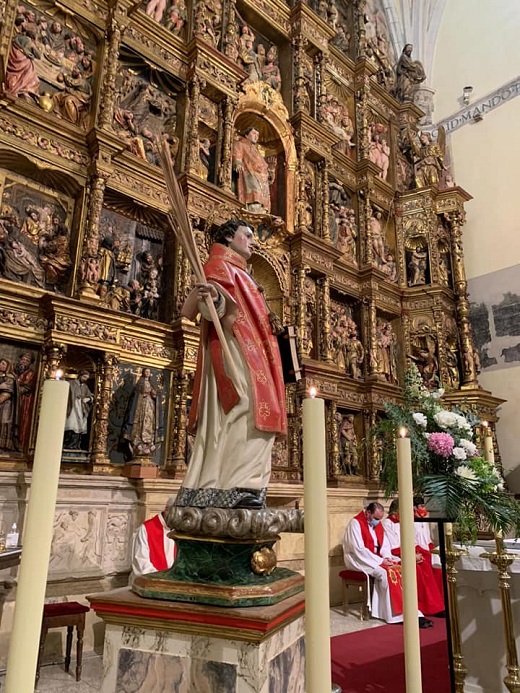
(223, 572)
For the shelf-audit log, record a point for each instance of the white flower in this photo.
(466, 473)
(462, 423)
(437, 394)
(500, 486)
(459, 453)
(420, 419)
(445, 419)
(469, 447)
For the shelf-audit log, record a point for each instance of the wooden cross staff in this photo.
(181, 225)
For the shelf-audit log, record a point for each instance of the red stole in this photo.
(368, 539)
(395, 586)
(258, 345)
(155, 536)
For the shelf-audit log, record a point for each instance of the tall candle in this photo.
(39, 523)
(317, 603)
(412, 644)
(489, 453)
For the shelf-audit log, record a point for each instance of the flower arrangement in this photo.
(448, 468)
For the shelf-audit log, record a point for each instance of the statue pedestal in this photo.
(152, 643)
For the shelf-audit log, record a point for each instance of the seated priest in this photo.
(367, 549)
(152, 548)
(430, 597)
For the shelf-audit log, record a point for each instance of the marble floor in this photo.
(53, 678)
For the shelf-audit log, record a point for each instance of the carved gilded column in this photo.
(231, 33)
(374, 367)
(104, 379)
(320, 62)
(53, 356)
(192, 146)
(225, 171)
(359, 29)
(177, 456)
(117, 23)
(301, 211)
(301, 308)
(300, 94)
(324, 170)
(89, 263)
(335, 469)
(373, 450)
(365, 231)
(324, 320)
(460, 286)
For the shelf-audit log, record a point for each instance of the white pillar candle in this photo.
(39, 524)
(317, 602)
(412, 643)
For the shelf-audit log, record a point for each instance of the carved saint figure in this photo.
(408, 74)
(354, 354)
(430, 160)
(79, 406)
(143, 421)
(348, 446)
(417, 265)
(26, 385)
(254, 175)
(8, 406)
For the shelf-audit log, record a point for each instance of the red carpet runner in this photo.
(372, 660)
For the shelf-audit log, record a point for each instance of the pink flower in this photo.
(441, 444)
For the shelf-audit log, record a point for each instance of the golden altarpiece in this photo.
(354, 249)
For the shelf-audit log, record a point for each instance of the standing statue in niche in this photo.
(271, 72)
(429, 156)
(408, 74)
(253, 174)
(354, 353)
(348, 446)
(26, 386)
(8, 406)
(386, 351)
(417, 265)
(142, 428)
(79, 406)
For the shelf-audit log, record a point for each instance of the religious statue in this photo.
(348, 446)
(386, 351)
(427, 363)
(26, 386)
(408, 74)
(235, 420)
(79, 406)
(142, 429)
(8, 406)
(253, 174)
(429, 156)
(417, 266)
(452, 366)
(379, 152)
(270, 71)
(354, 354)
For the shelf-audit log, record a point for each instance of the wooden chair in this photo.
(355, 578)
(59, 615)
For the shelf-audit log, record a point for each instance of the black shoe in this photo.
(249, 501)
(425, 622)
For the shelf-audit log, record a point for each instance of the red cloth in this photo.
(258, 345)
(430, 598)
(155, 535)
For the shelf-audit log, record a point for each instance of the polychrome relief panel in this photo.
(138, 414)
(131, 265)
(18, 384)
(172, 14)
(145, 108)
(52, 62)
(34, 234)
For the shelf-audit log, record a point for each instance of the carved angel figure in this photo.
(429, 156)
